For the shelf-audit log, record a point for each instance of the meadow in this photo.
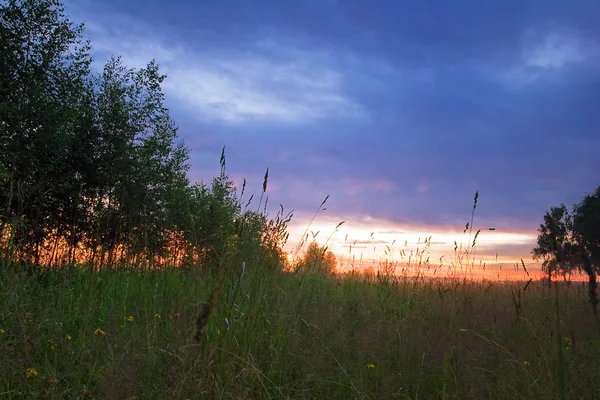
(121, 277)
(127, 333)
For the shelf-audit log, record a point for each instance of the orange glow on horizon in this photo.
(366, 242)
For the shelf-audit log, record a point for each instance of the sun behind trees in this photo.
(317, 259)
(91, 167)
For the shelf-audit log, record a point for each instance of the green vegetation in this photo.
(317, 259)
(91, 169)
(121, 279)
(126, 333)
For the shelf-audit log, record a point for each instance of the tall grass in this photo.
(126, 333)
(249, 330)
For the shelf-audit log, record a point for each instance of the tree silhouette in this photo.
(91, 166)
(318, 259)
(571, 241)
(586, 225)
(555, 245)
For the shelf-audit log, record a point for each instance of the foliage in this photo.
(555, 243)
(567, 240)
(91, 167)
(317, 259)
(44, 92)
(586, 224)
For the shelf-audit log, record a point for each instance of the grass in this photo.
(130, 334)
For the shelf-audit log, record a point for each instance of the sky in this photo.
(400, 111)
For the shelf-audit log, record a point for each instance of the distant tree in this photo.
(562, 236)
(318, 259)
(571, 241)
(212, 211)
(555, 246)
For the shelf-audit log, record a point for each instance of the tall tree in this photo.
(43, 88)
(91, 165)
(140, 162)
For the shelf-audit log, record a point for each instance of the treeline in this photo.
(91, 167)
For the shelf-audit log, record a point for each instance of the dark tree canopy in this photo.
(586, 225)
(568, 240)
(554, 245)
(571, 241)
(91, 166)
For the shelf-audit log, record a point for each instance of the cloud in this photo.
(270, 81)
(556, 50)
(352, 186)
(400, 119)
(547, 52)
(353, 242)
(392, 232)
(510, 250)
(378, 231)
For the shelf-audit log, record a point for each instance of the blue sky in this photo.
(399, 110)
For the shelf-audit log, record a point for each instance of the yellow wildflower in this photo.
(31, 372)
(99, 332)
(526, 364)
(157, 316)
(371, 366)
(130, 318)
(176, 314)
(68, 337)
(2, 331)
(567, 343)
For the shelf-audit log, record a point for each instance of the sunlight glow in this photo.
(368, 242)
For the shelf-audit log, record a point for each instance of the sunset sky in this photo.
(399, 110)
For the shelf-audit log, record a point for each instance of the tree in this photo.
(212, 211)
(586, 225)
(140, 164)
(318, 259)
(91, 167)
(555, 242)
(263, 239)
(568, 241)
(43, 88)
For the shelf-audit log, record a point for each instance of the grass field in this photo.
(130, 334)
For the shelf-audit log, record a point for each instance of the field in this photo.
(119, 334)
(132, 269)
